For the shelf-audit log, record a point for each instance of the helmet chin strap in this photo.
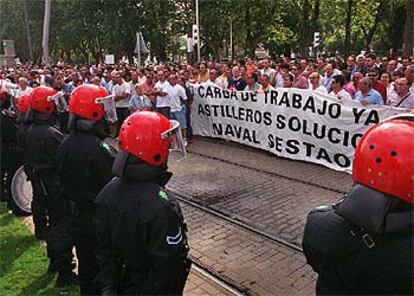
(97, 128)
(34, 116)
(130, 167)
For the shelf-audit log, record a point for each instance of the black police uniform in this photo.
(11, 157)
(84, 167)
(142, 243)
(362, 245)
(42, 142)
(39, 204)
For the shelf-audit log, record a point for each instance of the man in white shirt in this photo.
(402, 98)
(314, 79)
(132, 84)
(24, 89)
(121, 90)
(409, 74)
(177, 97)
(162, 88)
(268, 71)
(338, 92)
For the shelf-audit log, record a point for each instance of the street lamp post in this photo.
(231, 38)
(198, 30)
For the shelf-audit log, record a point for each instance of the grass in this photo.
(23, 261)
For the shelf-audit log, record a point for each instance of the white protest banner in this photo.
(293, 123)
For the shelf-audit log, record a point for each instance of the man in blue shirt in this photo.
(366, 95)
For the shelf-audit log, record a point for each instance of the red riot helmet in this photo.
(148, 135)
(23, 104)
(384, 158)
(92, 102)
(39, 99)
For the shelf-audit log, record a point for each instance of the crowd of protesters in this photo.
(166, 88)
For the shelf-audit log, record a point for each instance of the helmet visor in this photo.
(60, 102)
(177, 141)
(109, 108)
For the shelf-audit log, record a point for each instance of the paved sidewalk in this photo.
(275, 204)
(256, 263)
(262, 160)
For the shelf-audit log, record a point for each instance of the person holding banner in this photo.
(402, 98)
(252, 82)
(338, 92)
(236, 82)
(364, 243)
(288, 80)
(265, 84)
(314, 79)
(366, 94)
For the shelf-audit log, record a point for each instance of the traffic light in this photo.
(317, 39)
(195, 34)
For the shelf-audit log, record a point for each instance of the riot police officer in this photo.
(42, 142)
(38, 205)
(142, 243)
(364, 243)
(84, 164)
(10, 155)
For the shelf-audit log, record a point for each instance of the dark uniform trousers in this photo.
(39, 203)
(81, 225)
(11, 157)
(41, 142)
(84, 167)
(59, 242)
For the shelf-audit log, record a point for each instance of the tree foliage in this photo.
(82, 30)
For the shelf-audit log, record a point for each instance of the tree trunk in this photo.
(315, 16)
(409, 29)
(28, 31)
(306, 29)
(348, 27)
(46, 25)
(252, 48)
(248, 40)
(378, 18)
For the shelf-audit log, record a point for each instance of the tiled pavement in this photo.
(257, 264)
(258, 195)
(265, 161)
(200, 285)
